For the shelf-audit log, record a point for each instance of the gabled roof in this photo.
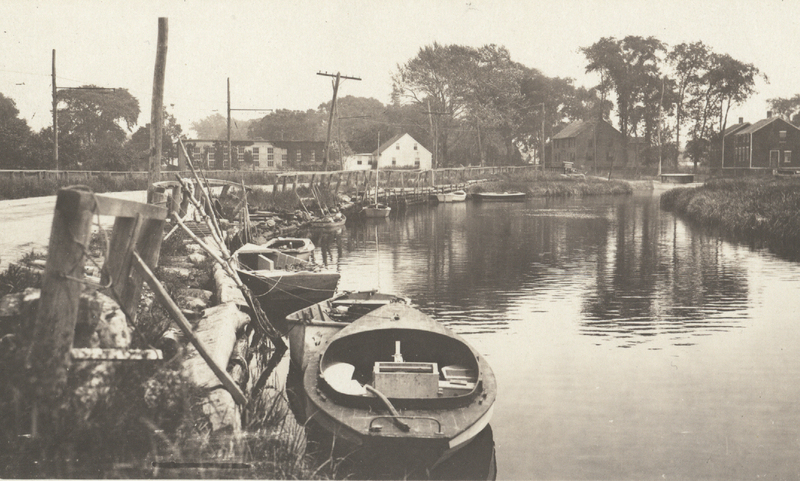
(388, 143)
(735, 128)
(761, 124)
(578, 127)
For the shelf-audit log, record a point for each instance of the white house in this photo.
(400, 152)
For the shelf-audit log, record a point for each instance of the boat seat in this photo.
(458, 380)
(264, 264)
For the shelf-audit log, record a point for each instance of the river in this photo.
(626, 343)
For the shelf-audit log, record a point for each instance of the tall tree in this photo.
(289, 125)
(625, 66)
(689, 62)
(786, 108)
(435, 80)
(215, 127)
(14, 136)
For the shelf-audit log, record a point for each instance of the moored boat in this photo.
(499, 196)
(310, 327)
(329, 221)
(299, 247)
(455, 196)
(283, 283)
(395, 379)
(376, 211)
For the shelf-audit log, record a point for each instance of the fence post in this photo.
(48, 358)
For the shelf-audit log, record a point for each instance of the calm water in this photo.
(626, 344)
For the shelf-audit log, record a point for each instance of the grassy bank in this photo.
(761, 207)
(32, 187)
(551, 184)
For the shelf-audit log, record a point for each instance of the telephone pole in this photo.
(157, 106)
(230, 152)
(337, 77)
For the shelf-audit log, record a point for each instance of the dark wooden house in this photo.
(771, 143)
(589, 145)
(724, 154)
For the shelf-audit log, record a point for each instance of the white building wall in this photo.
(405, 152)
(358, 162)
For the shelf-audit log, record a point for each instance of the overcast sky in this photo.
(272, 49)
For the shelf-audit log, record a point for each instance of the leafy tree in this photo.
(140, 140)
(14, 136)
(289, 125)
(96, 122)
(215, 127)
(689, 62)
(625, 66)
(786, 108)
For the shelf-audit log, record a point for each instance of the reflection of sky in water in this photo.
(631, 345)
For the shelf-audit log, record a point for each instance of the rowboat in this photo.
(329, 221)
(376, 211)
(455, 196)
(283, 283)
(310, 327)
(499, 196)
(397, 381)
(299, 247)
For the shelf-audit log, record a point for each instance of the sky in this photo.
(272, 50)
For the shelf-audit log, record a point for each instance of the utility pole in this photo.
(337, 77)
(230, 152)
(55, 107)
(157, 106)
(435, 133)
(544, 145)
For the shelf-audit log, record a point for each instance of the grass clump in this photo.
(761, 207)
(551, 184)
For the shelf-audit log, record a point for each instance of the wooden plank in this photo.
(127, 208)
(97, 354)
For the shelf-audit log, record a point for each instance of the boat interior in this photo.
(345, 308)
(401, 364)
(267, 259)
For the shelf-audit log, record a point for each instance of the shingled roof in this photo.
(576, 128)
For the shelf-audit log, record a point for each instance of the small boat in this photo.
(376, 211)
(299, 247)
(395, 380)
(310, 327)
(329, 221)
(455, 196)
(499, 196)
(283, 283)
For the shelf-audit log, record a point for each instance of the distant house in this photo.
(771, 143)
(301, 154)
(724, 154)
(588, 144)
(247, 154)
(400, 152)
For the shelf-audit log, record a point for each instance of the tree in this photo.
(97, 121)
(786, 108)
(625, 66)
(436, 80)
(689, 62)
(215, 127)
(289, 125)
(140, 140)
(14, 136)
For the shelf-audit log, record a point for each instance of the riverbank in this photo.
(551, 184)
(766, 208)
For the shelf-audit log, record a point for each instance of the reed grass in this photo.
(552, 184)
(751, 206)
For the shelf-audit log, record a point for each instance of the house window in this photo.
(270, 157)
(415, 146)
(270, 163)
(358, 163)
(255, 155)
(240, 153)
(313, 156)
(416, 163)
(782, 135)
(397, 146)
(269, 150)
(284, 157)
(394, 161)
(787, 157)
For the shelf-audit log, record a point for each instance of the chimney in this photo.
(741, 120)
(769, 114)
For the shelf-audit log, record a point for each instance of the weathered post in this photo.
(157, 109)
(48, 358)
